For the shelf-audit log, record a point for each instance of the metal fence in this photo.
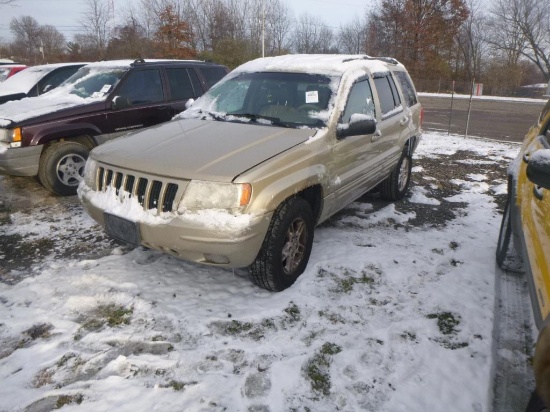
(465, 87)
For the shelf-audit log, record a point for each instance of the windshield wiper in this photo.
(214, 115)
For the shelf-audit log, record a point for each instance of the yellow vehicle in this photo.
(526, 226)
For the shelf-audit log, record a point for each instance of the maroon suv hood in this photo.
(199, 149)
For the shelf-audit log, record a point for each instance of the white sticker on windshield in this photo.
(312, 96)
(105, 88)
(95, 95)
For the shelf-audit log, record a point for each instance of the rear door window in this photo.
(390, 101)
(142, 87)
(180, 84)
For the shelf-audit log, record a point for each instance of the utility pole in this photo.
(263, 28)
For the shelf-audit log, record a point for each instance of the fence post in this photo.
(451, 112)
(470, 106)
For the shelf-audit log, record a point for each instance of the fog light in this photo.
(217, 259)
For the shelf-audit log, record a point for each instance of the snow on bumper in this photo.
(209, 237)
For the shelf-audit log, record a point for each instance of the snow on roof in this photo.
(330, 64)
(24, 81)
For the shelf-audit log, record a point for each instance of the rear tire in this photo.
(397, 183)
(286, 247)
(62, 167)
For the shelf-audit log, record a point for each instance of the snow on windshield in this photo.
(287, 99)
(23, 81)
(87, 85)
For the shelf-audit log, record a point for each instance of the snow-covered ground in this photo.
(393, 313)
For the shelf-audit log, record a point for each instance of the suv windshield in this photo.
(282, 99)
(95, 82)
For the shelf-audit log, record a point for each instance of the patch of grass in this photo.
(40, 330)
(236, 327)
(446, 321)
(68, 399)
(332, 317)
(115, 315)
(348, 279)
(111, 315)
(293, 311)
(317, 371)
(177, 385)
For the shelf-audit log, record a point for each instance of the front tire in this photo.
(504, 236)
(397, 183)
(62, 167)
(286, 247)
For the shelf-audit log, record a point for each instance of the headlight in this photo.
(212, 195)
(10, 135)
(90, 172)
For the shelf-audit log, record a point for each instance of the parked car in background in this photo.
(36, 80)
(51, 135)
(242, 177)
(525, 231)
(8, 70)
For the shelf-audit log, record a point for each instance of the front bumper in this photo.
(197, 241)
(20, 161)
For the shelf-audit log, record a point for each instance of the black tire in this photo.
(397, 183)
(286, 247)
(535, 404)
(504, 236)
(62, 167)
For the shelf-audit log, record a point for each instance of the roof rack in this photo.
(389, 60)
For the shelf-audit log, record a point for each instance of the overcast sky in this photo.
(65, 14)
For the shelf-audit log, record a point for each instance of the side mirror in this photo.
(358, 125)
(538, 168)
(47, 88)
(120, 102)
(188, 103)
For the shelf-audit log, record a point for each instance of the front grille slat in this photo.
(151, 194)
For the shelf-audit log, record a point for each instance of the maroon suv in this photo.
(51, 135)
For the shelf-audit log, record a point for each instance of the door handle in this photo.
(376, 136)
(404, 121)
(538, 192)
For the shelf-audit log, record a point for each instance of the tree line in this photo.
(504, 44)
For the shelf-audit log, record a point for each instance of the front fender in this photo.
(56, 132)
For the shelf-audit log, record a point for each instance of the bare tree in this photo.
(26, 32)
(279, 23)
(95, 23)
(311, 35)
(352, 37)
(52, 43)
(471, 41)
(522, 28)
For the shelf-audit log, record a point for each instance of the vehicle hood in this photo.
(199, 149)
(33, 108)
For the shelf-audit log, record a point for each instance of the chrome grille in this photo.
(151, 193)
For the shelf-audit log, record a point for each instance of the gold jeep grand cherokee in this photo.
(242, 177)
(526, 227)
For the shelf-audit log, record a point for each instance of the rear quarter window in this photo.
(387, 94)
(212, 74)
(407, 88)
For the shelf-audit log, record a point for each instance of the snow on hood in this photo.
(199, 149)
(19, 110)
